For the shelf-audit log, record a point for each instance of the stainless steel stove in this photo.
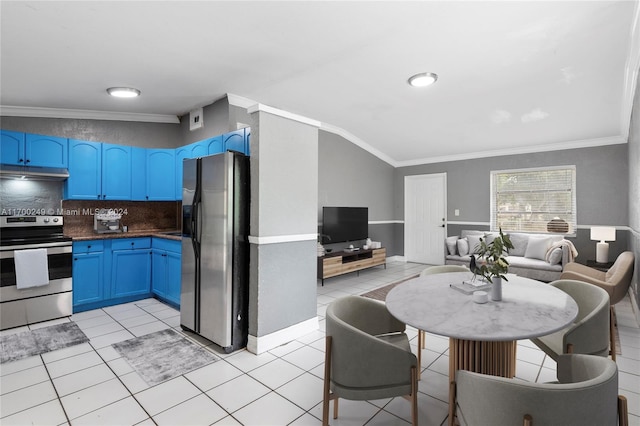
(21, 306)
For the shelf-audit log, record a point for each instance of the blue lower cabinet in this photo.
(110, 272)
(88, 279)
(131, 267)
(166, 275)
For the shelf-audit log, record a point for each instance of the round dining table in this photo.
(482, 336)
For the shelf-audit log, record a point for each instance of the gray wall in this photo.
(148, 135)
(284, 196)
(634, 188)
(216, 122)
(350, 176)
(601, 189)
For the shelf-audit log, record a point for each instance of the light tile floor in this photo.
(90, 384)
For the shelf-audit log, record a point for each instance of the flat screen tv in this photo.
(343, 224)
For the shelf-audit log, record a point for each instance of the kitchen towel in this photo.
(32, 268)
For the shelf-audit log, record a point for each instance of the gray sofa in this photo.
(537, 256)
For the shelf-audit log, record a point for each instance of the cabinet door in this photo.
(12, 148)
(85, 171)
(174, 276)
(131, 272)
(88, 282)
(138, 174)
(116, 172)
(181, 154)
(234, 141)
(159, 272)
(46, 151)
(214, 145)
(161, 175)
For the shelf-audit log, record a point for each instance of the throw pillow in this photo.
(556, 256)
(474, 242)
(451, 244)
(537, 247)
(519, 242)
(463, 246)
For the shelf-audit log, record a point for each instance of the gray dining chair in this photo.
(367, 356)
(431, 270)
(586, 393)
(589, 332)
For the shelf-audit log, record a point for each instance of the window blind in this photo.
(541, 200)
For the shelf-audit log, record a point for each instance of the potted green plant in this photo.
(493, 262)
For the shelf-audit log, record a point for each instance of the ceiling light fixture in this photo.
(423, 79)
(123, 92)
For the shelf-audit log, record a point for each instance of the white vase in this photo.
(496, 288)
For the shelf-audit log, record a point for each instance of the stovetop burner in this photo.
(31, 230)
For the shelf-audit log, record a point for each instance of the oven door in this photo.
(36, 304)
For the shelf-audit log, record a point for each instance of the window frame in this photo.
(573, 224)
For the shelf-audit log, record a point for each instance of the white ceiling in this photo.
(513, 76)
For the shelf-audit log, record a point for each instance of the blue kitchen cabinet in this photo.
(12, 147)
(26, 149)
(161, 175)
(234, 141)
(214, 145)
(131, 267)
(138, 174)
(46, 151)
(88, 275)
(166, 270)
(194, 150)
(98, 171)
(116, 172)
(85, 171)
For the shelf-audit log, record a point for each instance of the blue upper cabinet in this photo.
(85, 171)
(161, 175)
(26, 149)
(234, 141)
(12, 151)
(138, 174)
(214, 145)
(98, 171)
(116, 172)
(247, 140)
(194, 150)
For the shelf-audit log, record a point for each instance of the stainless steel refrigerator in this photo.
(215, 248)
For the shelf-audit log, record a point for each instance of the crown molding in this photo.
(18, 111)
(282, 113)
(585, 143)
(359, 142)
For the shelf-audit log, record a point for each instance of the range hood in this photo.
(33, 173)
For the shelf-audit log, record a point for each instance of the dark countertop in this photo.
(158, 233)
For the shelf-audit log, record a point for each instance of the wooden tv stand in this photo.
(343, 262)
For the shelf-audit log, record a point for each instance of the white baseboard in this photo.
(258, 345)
(396, 259)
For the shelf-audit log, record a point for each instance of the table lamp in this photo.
(602, 234)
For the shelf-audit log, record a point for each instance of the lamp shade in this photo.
(603, 233)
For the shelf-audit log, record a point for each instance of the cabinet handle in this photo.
(75, 258)
(21, 161)
(89, 247)
(99, 196)
(28, 161)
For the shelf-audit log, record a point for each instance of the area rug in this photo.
(35, 342)
(163, 355)
(381, 293)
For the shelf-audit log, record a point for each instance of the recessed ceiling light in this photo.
(423, 79)
(123, 92)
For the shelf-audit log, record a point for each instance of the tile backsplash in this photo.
(137, 215)
(30, 197)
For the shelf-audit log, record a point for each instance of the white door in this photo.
(425, 218)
